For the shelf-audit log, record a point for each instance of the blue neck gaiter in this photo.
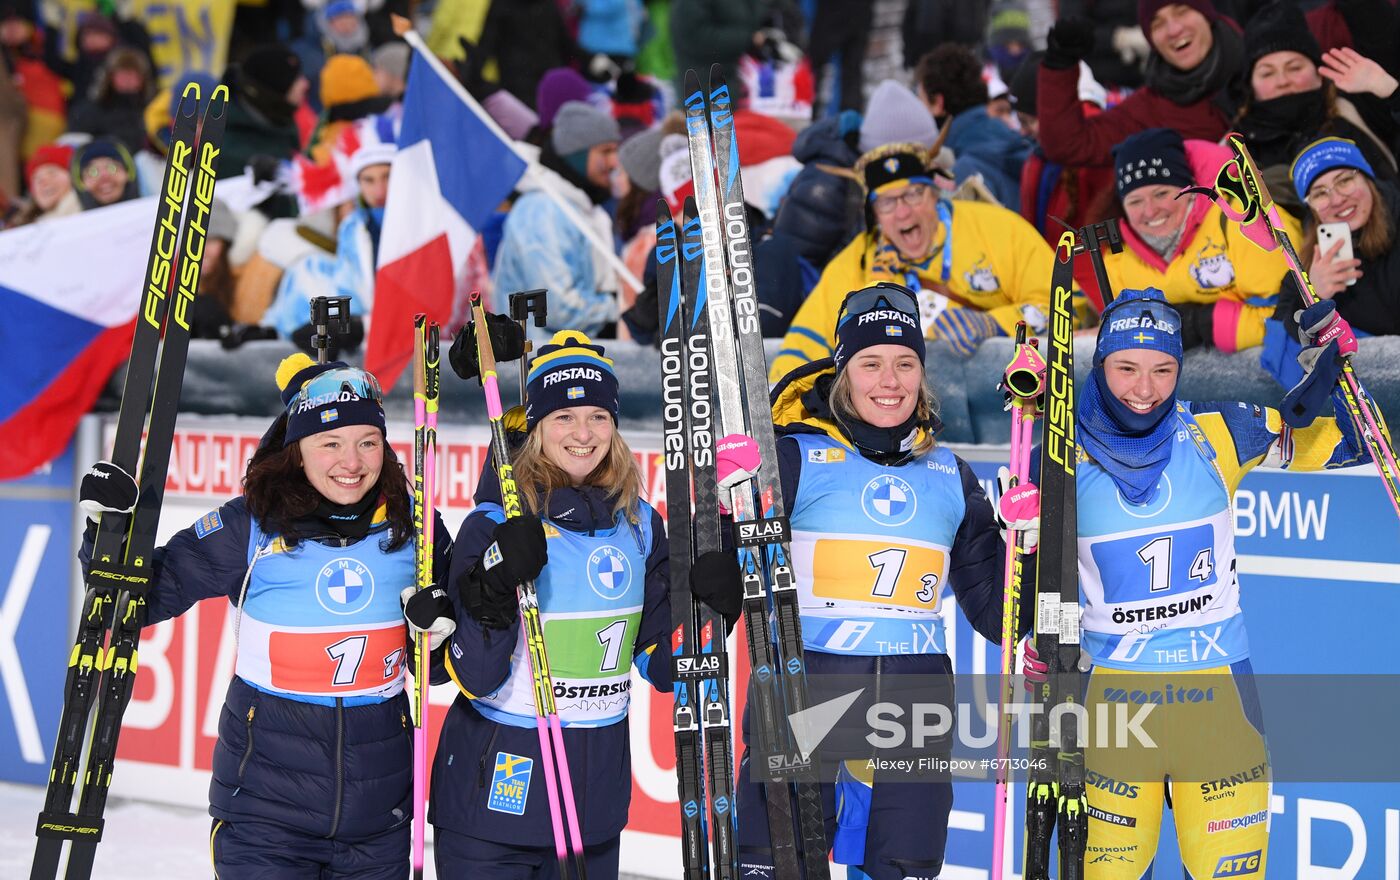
(1132, 447)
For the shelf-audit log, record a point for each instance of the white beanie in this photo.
(896, 115)
(371, 154)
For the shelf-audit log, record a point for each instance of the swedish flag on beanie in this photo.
(1139, 319)
(324, 397)
(570, 370)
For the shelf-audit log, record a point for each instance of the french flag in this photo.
(69, 292)
(452, 169)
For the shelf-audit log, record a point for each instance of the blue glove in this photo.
(964, 329)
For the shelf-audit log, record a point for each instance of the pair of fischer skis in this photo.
(102, 666)
(1056, 803)
(715, 384)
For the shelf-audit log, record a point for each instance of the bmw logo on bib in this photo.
(344, 586)
(889, 500)
(609, 572)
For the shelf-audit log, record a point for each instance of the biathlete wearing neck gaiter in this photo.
(1132, 447)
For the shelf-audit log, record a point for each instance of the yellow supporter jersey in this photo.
(1214, 262)
(999, 264)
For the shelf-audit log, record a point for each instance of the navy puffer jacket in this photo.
(821, 212)
(335, 771)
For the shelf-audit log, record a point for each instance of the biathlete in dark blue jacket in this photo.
(884, 520)
(312, 772)
(598, 557)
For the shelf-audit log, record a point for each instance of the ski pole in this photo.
(1023, 381)
(1239, 181)
(425, 409)
(1091, 240)
(547, 721)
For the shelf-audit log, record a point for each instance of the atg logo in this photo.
(1238, 866)
(344, 586)
(609, 572)
(889, 500)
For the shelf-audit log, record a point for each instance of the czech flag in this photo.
(452, 170)
(69, 292)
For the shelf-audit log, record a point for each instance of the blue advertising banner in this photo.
(36, 559)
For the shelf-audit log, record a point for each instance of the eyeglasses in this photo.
(101, 167)
(1343, 184)
(912, 197)
(344, 384)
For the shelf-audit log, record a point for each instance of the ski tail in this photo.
(547, 723)
(685, 722)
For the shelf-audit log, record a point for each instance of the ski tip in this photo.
(218, 100)
(663, 212)
(189, 102)
(690, 209)
(716, 75)
(692, 84)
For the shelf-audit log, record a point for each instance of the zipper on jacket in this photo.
(339, 762)
(248, 749)
(485, 754)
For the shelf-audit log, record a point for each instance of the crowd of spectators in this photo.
(952, 177)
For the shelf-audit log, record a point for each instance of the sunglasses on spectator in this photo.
(912, 197)
(1343, 184)
(100, 167)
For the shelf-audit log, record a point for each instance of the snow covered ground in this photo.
(142, 841)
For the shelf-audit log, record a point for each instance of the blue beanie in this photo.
(569, 371)
(1321, 156)
(1139, 319)
(323, 397)
(882, 314)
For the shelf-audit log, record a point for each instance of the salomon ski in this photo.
(760, 522)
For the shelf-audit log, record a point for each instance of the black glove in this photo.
(1197, 324)
(715, 579)
(106, 488)
(507, 344)
(1070, 41)
(518, 553)
(429, 610)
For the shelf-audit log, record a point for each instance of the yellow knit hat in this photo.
(346, 79)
